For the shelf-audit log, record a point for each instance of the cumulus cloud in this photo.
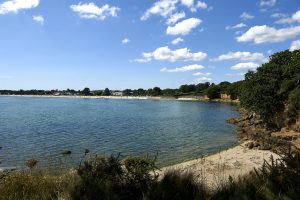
(201, 74)
(184, 27)
(39, 19)
(202, 80)
(162, 8)
(241, 56)
(237, 26)
(295, 45)
(183, 69)
(266, 34)
(245, 16)
(125, 40)
(193, 5)
(175, 18)
(92, 11)
(166, 54)
(177, 40)
(15, 5)
(270, 3)
(288, 20)
(247, 65)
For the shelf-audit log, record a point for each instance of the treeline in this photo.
(211, 90)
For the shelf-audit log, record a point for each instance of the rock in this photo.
(256, 144)
(232, 121)
(86, 151)
(66, 152)
(265, 147)
(250, 145)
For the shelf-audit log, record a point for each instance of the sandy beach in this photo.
(215, 169)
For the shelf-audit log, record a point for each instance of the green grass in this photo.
(135, 178)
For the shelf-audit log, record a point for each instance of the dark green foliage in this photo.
(267, 91)
(294, 104)
(234, 89)
(105, 178)
(213, 92)
(156, 91)
(177, 186)
(86, 91)
(106, 92)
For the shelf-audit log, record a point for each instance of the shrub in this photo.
(107, 178)
(177, 186)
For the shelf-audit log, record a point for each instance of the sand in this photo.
(214, 170)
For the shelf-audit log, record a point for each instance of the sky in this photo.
(119, 44)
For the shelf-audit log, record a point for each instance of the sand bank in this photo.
(215, 169)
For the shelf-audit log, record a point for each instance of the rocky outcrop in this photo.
(251, 127)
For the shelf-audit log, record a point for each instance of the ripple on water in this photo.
(178, 131)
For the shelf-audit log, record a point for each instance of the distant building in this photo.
(117, 93)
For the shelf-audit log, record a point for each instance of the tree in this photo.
(213, 92)
(106, 92)
(156, 91)
(86, 91)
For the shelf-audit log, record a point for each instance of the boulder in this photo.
(250, 145)
(66, 152)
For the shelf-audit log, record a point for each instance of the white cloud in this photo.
(92, 11)
(241, 56)
(201, 74)
(16, 5)
(278, 15)
(245, 16)
(267, 3)
(194, 6)
(162, 8)
(295, 45)
(177, 40)
(125, 40)
(247, 65)
(166, 54)
(237, 26)
(237, 74)
(266, 34)
(288, 20)
(184, 27)
(39, 19)
(183, 69)
(175, 18)
(202, 80)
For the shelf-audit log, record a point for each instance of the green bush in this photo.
(177, 186)
(107, 178)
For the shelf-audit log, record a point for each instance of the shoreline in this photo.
(193, 98)
(215, 169)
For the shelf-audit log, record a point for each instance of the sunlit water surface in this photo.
(175, 131)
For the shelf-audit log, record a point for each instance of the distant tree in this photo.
(106, 92)
(187, 88)
(224, 86)
(156, 91)
(213, 92)
(86, 91)
(202, 86)
(127, 92)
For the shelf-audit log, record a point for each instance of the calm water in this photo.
(177, 131)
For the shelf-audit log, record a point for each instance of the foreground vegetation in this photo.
(135, 178)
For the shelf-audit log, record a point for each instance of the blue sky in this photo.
(59, 44)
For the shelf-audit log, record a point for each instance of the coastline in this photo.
(214, 170)
(193, 98)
